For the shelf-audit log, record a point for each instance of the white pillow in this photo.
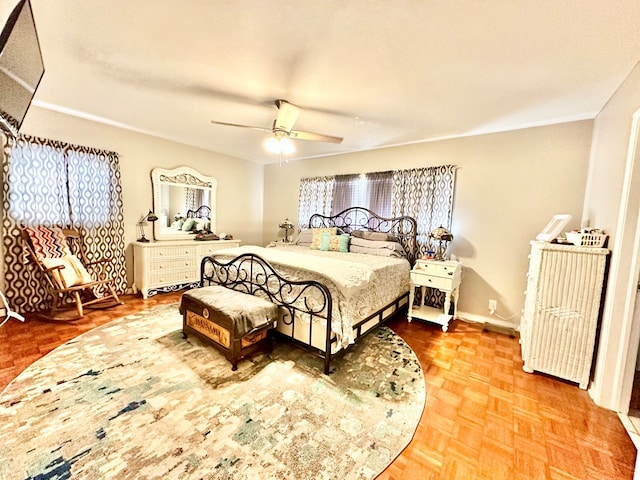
(72, 274)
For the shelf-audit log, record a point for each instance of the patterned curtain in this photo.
(193, 198)
(425, 194)
(55, 184)
(315, 197)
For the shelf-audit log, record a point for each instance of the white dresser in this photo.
(561, 310)
(445, 276)
(167, 266)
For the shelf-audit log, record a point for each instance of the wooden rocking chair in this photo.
(67, 280)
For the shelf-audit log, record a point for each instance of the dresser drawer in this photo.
(174, 277)
(174, 251)
(207, 248)
(426, 280)
(157, 266)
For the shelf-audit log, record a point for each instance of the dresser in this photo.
(168, 266)
(445, 276)
(561, 310)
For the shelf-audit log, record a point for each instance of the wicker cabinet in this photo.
(168, 266)
(561, 310)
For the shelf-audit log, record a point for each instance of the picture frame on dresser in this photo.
(554, 227)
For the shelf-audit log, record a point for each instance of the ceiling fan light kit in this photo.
(279, 145)
(282, 130)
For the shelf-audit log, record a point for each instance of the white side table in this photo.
(442, 275)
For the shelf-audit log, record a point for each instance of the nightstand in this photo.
(442, 275)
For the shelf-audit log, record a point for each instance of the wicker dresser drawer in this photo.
(174, 277)
(207, 248)
(156, 266)
(175, 251)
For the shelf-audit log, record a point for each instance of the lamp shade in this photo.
(286, 224)
(441, 233)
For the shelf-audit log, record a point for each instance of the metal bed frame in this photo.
(250, 273)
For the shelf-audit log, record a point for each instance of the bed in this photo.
(328, 297)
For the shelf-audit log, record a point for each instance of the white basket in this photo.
(586, 239)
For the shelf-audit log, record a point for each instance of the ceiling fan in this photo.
(282, 129)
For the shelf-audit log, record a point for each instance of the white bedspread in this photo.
(360, 284)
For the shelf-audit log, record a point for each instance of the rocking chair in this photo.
(67, 280)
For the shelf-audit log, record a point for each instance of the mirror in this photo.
(179, 194)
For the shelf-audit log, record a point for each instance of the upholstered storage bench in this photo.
(235, 323)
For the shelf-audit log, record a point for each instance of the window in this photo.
(425, 194)
(372, 190)
(56, 184)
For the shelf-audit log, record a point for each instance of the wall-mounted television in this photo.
(21, 66)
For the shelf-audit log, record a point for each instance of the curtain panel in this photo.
(56, 184)
(425, 194)
(371, 190)
(315, 197)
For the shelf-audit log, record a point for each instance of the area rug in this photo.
(134, 400)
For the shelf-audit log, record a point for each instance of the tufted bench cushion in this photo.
(234, 322)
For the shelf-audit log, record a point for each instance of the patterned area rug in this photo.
(134, 400)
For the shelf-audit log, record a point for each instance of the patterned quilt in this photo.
(360, 284)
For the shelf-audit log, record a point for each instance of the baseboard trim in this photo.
(491, 323)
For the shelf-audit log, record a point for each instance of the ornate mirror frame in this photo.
(167, 180)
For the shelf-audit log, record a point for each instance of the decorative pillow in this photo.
(201, 224)
(334, 243)
(73, 272)
(188, 224)
(374, 236)
(316, 238)
(358, 244)
(177, 224)
(304, 237)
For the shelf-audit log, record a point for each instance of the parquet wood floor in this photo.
(484, 418)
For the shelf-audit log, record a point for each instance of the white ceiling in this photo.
(376, 72)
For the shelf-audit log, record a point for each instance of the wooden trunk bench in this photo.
(236, 323)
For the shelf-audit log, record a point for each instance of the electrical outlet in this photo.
(493, 306)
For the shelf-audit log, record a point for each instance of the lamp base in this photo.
(441, 252)
(143, 240)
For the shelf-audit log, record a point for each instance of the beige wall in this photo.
(603, 201)
(240, 183)
(508, 187)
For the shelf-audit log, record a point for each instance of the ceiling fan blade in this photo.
(287, 116)
(261, 129)
(316, 137)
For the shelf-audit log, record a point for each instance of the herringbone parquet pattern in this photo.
(484, 418)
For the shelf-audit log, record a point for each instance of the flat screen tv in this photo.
(21, 66)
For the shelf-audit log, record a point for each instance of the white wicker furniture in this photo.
(561, 310)
(169, 266)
